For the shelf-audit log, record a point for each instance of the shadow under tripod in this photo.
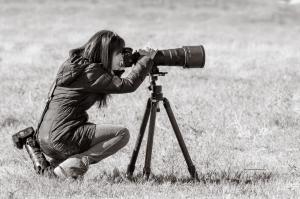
(152, 108)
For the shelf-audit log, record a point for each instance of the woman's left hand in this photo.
(149, 52)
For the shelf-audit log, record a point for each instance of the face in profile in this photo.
(117, 59)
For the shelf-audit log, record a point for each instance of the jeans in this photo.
(108, 140)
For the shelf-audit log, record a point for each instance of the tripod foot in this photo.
(146, 173)
(129, 176)
(194, 173)
(130, 170)
(148, 176)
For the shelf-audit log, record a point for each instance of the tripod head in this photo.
(155, 71)
(154, 74)
(156, 90)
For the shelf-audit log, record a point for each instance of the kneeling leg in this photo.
(107, 141)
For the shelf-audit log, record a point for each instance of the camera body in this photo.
(26, 138)
(19, 139)
(129, 58)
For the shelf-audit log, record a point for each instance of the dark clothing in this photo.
(108, 140)
(65, 129)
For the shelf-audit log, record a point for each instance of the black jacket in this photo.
(75, 95)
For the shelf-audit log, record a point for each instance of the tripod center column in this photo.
(157, 93)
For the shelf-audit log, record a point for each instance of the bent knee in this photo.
(124, 133)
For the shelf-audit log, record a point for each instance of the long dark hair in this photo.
(99, 49)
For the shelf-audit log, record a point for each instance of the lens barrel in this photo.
(187, 56)
(38, 159)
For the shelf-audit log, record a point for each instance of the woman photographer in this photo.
(87, 77)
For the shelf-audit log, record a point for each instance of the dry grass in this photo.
(240, 116)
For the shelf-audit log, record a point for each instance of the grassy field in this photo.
(240, 115)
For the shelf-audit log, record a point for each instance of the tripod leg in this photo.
(147, 167)
(180, 140)
(131, 166)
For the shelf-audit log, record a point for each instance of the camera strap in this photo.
(49, 98)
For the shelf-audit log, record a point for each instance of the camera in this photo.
(187, 57)
(26, 138)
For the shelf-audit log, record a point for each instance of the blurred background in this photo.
(242, 111)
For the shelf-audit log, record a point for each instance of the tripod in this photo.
(151, 108)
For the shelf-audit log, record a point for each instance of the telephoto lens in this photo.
(39, 161)
(187, 57)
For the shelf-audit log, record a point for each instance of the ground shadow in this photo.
(211, 177)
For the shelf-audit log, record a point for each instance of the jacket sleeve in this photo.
(106, 83)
